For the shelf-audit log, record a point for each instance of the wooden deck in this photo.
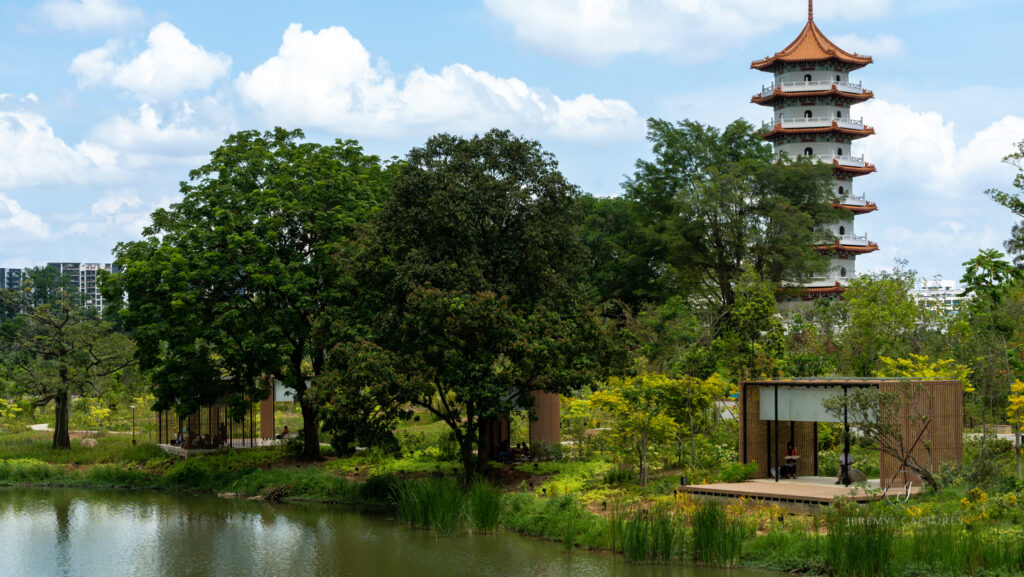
(812, 491)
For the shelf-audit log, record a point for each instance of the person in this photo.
(845, 460)
(284, 433)
(791, 457)
(177, 439)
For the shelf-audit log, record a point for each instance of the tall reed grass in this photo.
(441, 504)
(717, 539)
(653, 535)
(484, 506)
(860, 545)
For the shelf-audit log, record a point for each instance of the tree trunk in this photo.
(310, 430)
(466, 447)
(61, 436)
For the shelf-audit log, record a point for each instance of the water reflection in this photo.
(84, 533)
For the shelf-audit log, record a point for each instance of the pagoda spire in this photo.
(810, 10)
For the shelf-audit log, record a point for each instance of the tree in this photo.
(1015, 202)
(881, 319)
(1015, 414)
(717, 201)
(895, 419)
(638, 409)
(690, 404)
(241, 280)
(61, 350)
(483, 234)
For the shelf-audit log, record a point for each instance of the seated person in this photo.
(789, 470)
(284, 433)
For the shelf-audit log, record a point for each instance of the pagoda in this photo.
(811, 98)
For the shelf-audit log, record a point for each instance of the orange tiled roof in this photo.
(854, 133)
(827, 290)
(778, 93)
(871, 247)
(856, 208)
(812, 46)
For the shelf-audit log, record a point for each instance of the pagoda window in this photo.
(842, 231)
(842, 272)
(842, 191)
(807, 77)
(808, 114)
(839, 152)
(808, 151)
(839, 78)
(839, 113)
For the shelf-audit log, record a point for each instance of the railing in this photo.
(857, 161)
(813, 86)
(817, 122)
(853, 200)
(853, 240)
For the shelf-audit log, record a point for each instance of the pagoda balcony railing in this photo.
(857, 161)
(813, 86)
(815, 122)
(853, 240)
(853, 200)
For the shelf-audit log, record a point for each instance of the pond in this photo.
(65, 532)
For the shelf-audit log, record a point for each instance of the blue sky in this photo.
(106, 104)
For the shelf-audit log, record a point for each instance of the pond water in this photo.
(65, 532)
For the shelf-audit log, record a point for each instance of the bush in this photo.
(620, 477)
(736, 472)
(27, 471)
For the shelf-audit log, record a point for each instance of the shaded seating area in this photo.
(209, 429)
(777, 414)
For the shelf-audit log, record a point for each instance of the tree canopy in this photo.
(241, 280)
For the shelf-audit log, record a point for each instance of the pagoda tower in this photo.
(811, 98)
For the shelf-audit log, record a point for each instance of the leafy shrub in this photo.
(736, 472)
(27, 471)
(619, 477)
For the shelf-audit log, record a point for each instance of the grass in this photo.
(436, 503)
(717, 538)
(484, 504)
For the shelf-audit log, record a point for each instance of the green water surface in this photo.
(81, 533)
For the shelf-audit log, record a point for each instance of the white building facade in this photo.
(812, 98)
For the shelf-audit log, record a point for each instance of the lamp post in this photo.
(133, 424)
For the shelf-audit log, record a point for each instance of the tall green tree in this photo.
(59, 350)
(717, 201)
(880, 319)
(1015, 202)
(484, 237)
(241, 280)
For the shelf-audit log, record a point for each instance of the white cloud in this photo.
(882, 45)
(90, 15)
(921, 148)
(31, 154)
(685, 30)
(149, 132)
(326, 80)
(16, 219)
(114, 201)
(169, 66)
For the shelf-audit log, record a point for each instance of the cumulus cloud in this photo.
(31, 154)
(148, 132)
(90, 15)
(922, 147)
(882, 45)
(114, 201)
(168, 67)
(14, 218)
(326, 79)
(685, 30)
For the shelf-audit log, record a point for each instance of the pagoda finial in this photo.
(810, 10)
